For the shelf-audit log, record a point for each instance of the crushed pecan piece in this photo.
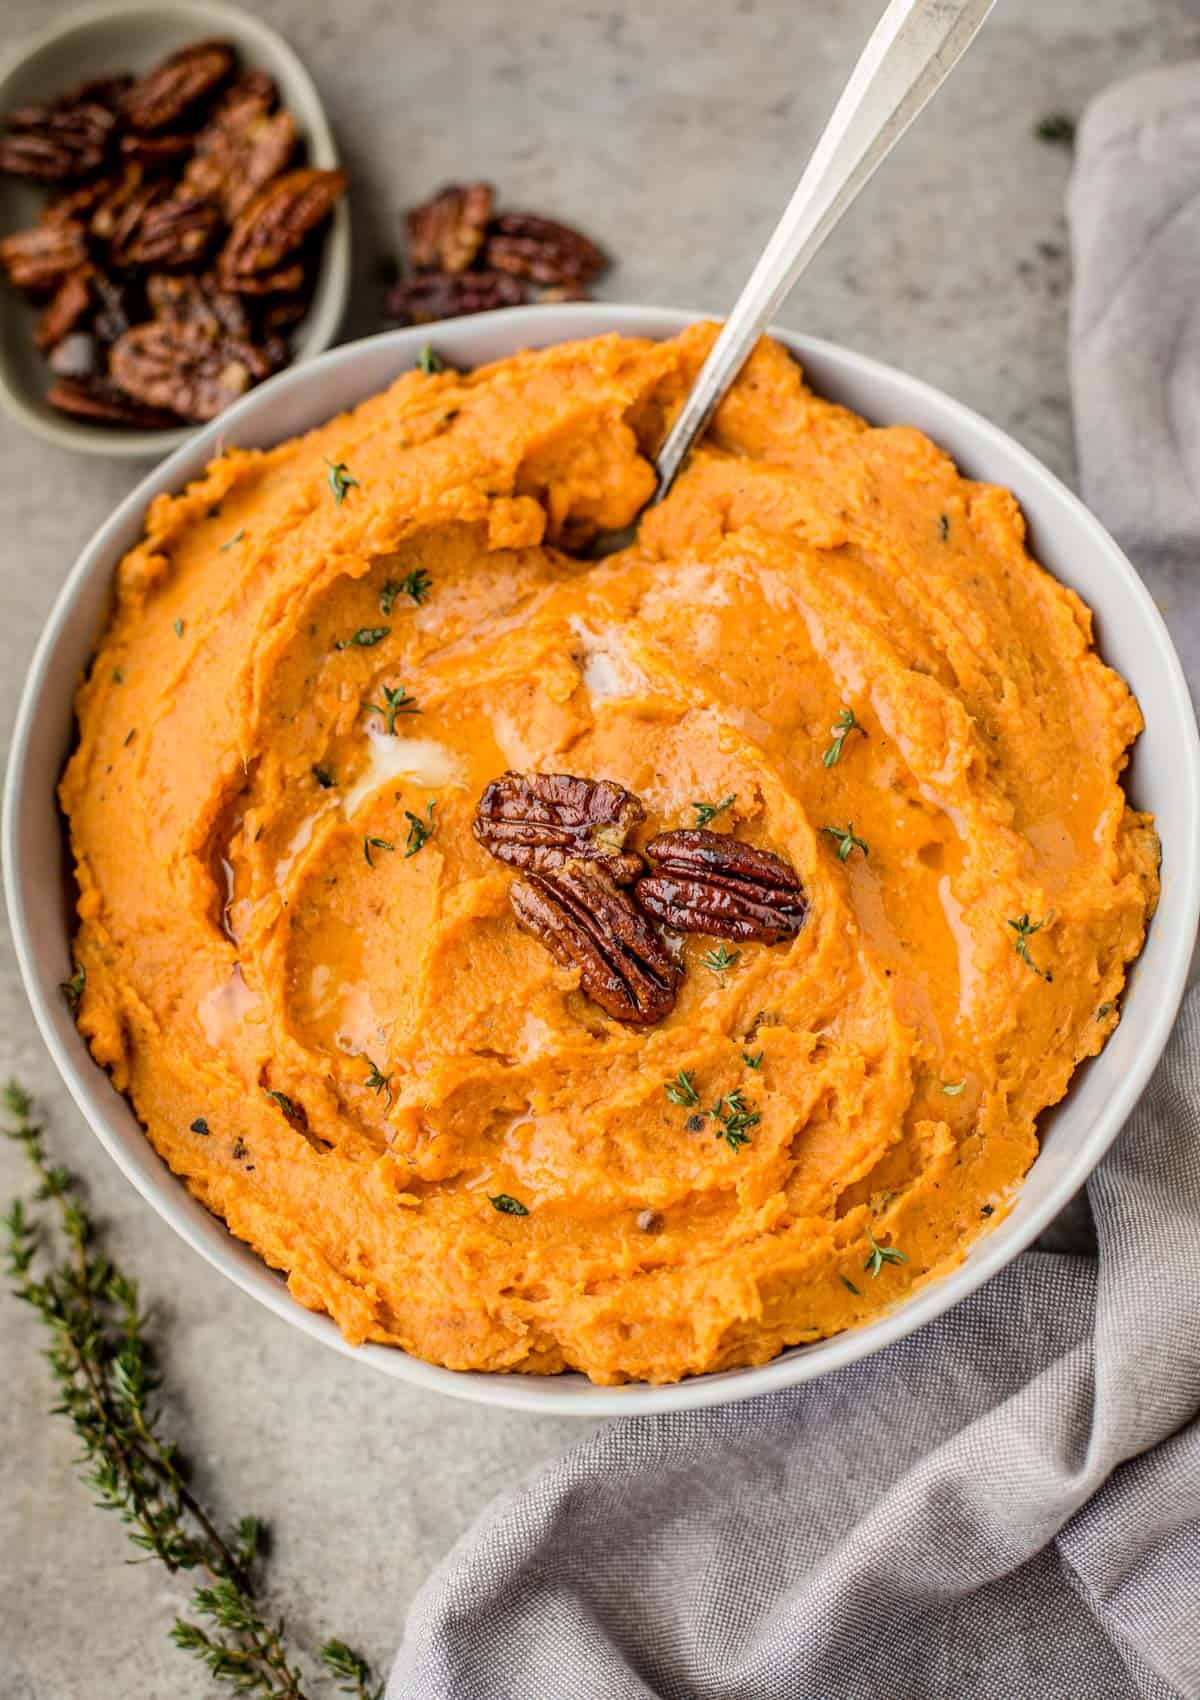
(100, 400)
(198, 301)
(38, 260)
(184, 369)
(708, 882)
(588, 923)
(446, 233)
(448, 295)
(273, 225)
(160, 97)
(542, 250)
(68, 304)
(542, 821)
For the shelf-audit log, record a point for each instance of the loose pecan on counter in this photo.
(448, 295)
(588, 923)
(542, 250)
(708, 882)
(542, 821)
(446, 233)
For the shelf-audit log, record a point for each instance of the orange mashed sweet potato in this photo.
(305, 973)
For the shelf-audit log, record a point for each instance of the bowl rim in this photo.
(332, 292)
(571, 1393)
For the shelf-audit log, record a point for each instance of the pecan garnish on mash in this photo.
(588, 923)
(542, 821)
(708, 882)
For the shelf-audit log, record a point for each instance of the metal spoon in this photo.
(916, 45)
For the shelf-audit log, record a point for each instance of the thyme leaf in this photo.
(72, 989)
(366, 637)
(416, 585)
(839, 732)
(430, 361)
(953, 1090)
(370, 844)
(755, 1061)
(419, 831)
(340, 480)
(1056, 127)
(881, 1254)
(222, 548)
(1024, 928)
(720, 960)
(847, 1282)
(706, 812)
(682, 1090)
(396, 701)
(506, 1204)
(378, 1082)
(735, 1113)
(848, 840)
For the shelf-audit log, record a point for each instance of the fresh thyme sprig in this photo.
(416, 585)
(429, 360)
(340, 480)
(102, 1362)
(881, 1254)
(840, 731)
(721, 960)
(378, 1082)
(419, 831)
(847, 839)
(1025, 929)
(396, 701)
(682, 1090)
(735, 1113)
(706, 812)
(370, 844)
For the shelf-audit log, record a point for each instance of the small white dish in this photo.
(1164, 776)
(133, 35)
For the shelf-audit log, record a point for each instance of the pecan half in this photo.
(707, 882)
(272, 226)
(173, 232)
(542, 250)
(181, 368)
(53, 144)
(39, 259)
(100, 400)
(448, 295)
(586, 922)
(198, 301)
(68, 304)
(156, 100)
(446, 233)
(243, 146)
(542, 821)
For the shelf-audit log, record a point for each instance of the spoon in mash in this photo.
(915, 46)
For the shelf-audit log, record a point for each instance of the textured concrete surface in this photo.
(674, 134)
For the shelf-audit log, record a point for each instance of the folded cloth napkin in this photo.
(1007, 1503)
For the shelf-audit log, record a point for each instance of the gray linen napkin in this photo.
(1007, 1503)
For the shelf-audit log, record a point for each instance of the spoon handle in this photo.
(915, 46)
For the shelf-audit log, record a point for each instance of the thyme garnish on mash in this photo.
(340, 480)
(1024, 928)
(881, 1254)
(416, 585)
(396, 701)
(847, 839)
(840, 731)
(706, 812)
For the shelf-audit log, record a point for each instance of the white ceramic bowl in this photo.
(133, 35)
(1164, 777)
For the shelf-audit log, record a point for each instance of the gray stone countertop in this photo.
(673, 133)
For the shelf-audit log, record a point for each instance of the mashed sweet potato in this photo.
(304, 970)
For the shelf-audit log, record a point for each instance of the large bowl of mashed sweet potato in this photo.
(671, 974)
